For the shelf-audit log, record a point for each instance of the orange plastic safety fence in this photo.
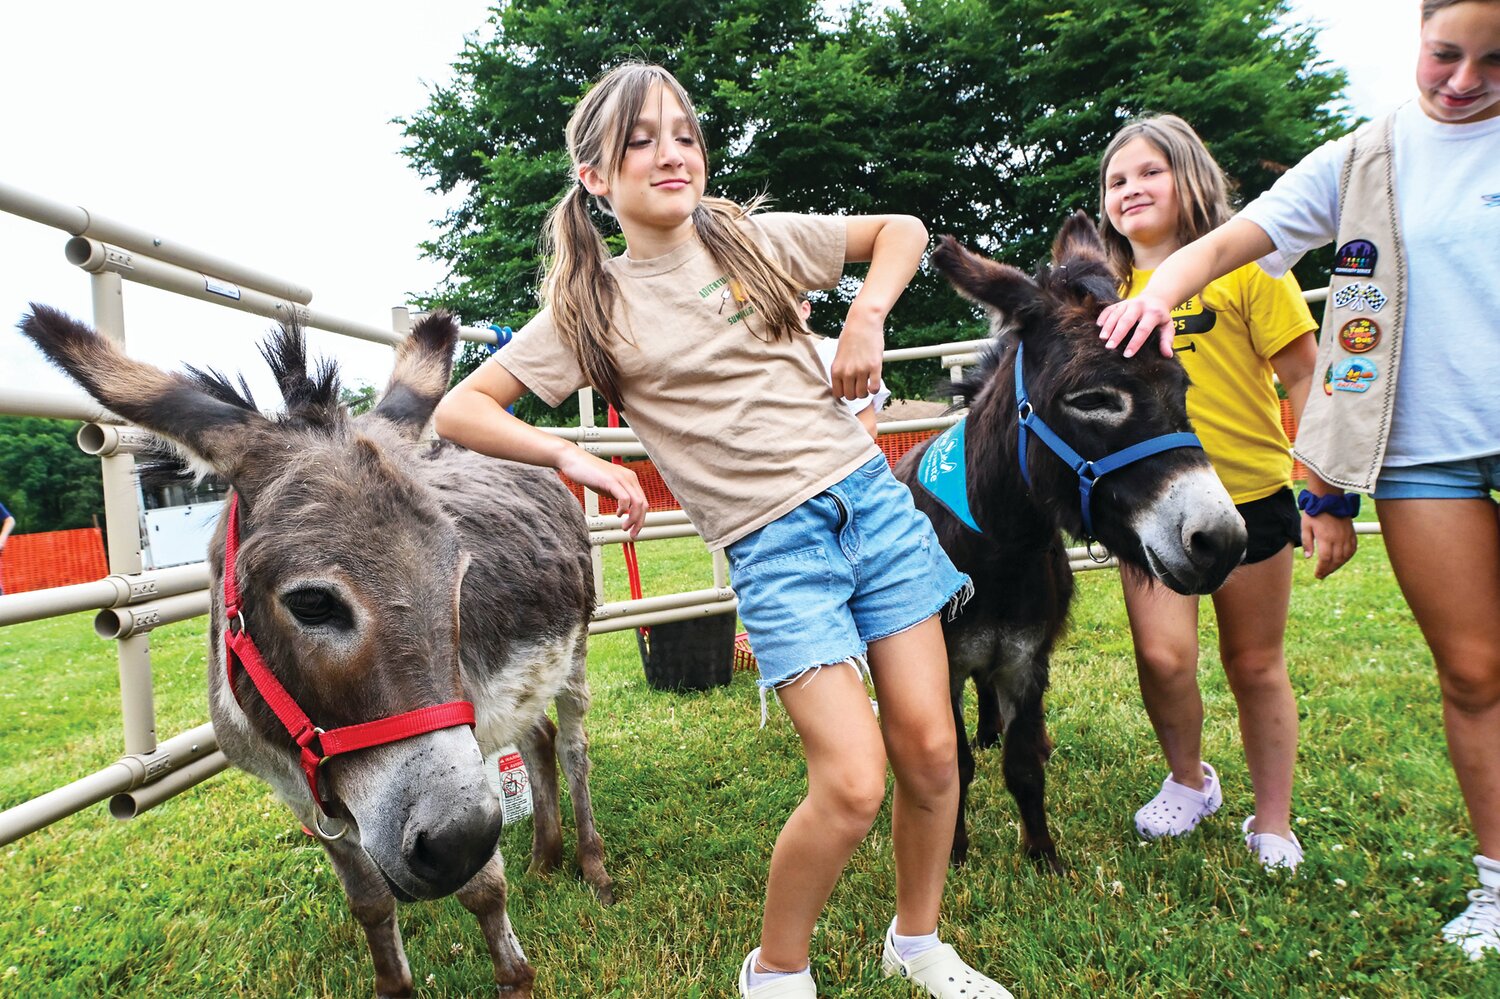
(1289, 424)
(52, 558)
(657, 493)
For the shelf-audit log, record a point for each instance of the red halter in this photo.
(316, 745)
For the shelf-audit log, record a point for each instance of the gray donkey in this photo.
(383, 585)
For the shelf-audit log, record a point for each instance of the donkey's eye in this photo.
(313, 607)
(1096, 402)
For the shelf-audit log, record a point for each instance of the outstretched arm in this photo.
(6, 526)
(1331, 538)
(473, 414)
(1181, 276)
(893, 244)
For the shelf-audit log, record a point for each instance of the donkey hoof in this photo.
(1049, 860)
(543, 864)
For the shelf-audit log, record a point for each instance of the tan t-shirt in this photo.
(741, 429)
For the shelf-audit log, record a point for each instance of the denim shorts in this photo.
(1468, 478)
(852, 565)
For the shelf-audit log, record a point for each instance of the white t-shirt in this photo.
(1448, 192)
(827, 347)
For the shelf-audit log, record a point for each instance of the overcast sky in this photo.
(261, 133)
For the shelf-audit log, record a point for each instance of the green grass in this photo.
(217, 893)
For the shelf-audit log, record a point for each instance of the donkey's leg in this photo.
(573, 748)
(539, 751)
(1026, 750)
(960, 851)
(484, 896)
(374, 906)
(987, 729)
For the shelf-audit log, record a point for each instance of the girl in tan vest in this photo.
(1412, 204)
(694, 333)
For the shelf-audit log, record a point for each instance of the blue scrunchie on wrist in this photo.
(1340, 505)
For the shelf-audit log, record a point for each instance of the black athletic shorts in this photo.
(1272, 522)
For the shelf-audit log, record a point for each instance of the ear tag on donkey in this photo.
(944, 474)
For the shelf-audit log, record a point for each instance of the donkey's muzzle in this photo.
(1214, 552)
(1213, 544)
(444, 843)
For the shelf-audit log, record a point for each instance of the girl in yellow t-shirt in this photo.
(1160, 189)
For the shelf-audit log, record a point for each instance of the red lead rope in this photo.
(316, 745)
(632, 565)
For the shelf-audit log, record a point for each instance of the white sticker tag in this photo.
(219, 287)
(507, 774)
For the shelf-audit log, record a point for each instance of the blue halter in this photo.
(1089, 472)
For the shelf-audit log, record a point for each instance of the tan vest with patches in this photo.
(1347, 420)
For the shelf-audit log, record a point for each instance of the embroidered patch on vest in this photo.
(1356, 258)
(1358, 297)
(1354, 375)
(1359, 336)
(944, 474)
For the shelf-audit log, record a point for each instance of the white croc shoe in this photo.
(941, 972)
(1477, 928)
(788, 987)
(1271, 850)
(1177, 809)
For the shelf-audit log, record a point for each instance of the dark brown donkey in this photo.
(1165, 514)
(379, 575)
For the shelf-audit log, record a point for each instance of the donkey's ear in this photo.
(1078, 241)
(1001, 288)
(424, 360)
(202, 416)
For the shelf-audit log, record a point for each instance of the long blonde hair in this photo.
(1202, 191)
(577, 286)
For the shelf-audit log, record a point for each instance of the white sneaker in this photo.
(1477, 928)
(1177, 809)
(1272, 850)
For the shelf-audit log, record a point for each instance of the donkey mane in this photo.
(311, 403)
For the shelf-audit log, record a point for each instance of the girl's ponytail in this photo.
(580, 290)
(761, 281)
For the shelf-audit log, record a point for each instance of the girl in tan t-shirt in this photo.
(636, 148)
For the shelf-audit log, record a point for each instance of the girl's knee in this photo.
(926, 763)
(1472, 687)
(1167, 662)
(851, 800)
(1255, 670)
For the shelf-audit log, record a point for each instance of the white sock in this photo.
(1489, 872)
(910, 947)
(759, 978)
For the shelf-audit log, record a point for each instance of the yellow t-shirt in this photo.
(1226, 338)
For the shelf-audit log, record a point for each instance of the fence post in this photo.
(122, 518)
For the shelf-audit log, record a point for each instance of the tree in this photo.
(45, 480)
(985, 118)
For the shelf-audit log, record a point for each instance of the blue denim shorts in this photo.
(1468, 478)
(852, 565)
